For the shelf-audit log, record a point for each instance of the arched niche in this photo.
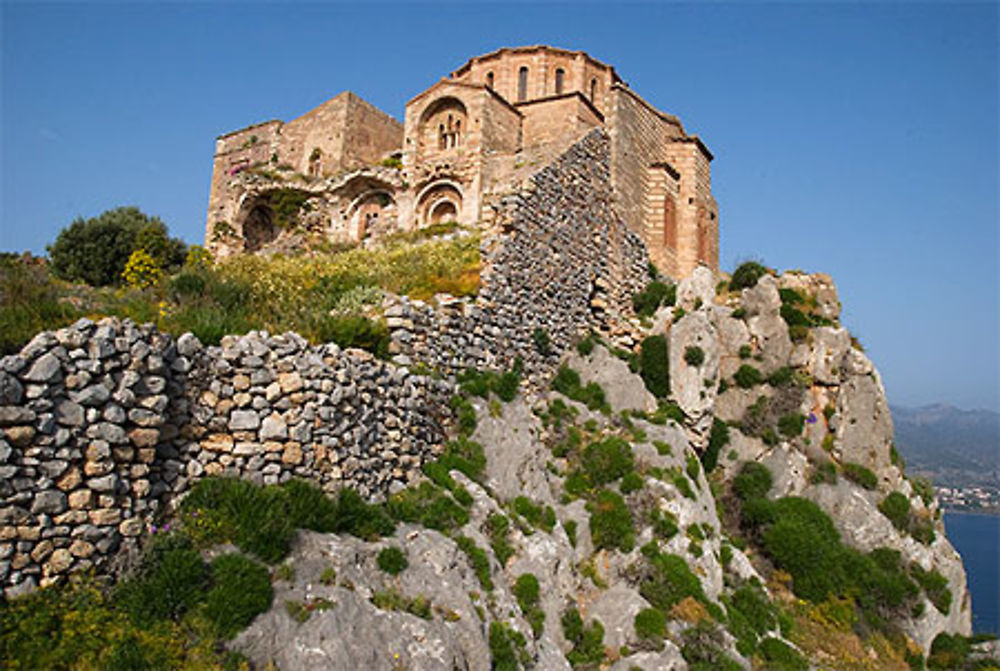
(439, 202)
(371, 214)
(258, 228)
(443, 126)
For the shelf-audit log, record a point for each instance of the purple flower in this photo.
(812, 418)
(152, 528)
(166, 527)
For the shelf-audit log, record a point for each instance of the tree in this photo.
(96, 250)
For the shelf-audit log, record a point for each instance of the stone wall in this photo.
(560, 261)
(103, 424)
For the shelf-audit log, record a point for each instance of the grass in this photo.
(391, 560)
(323, 296)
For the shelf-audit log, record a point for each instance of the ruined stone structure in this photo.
(346, 172)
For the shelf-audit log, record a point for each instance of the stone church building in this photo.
(346, 172)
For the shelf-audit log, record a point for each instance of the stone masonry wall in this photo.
(103, 424)
(561, 261)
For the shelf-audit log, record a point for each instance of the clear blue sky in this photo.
(854, 139)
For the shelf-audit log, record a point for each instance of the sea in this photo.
(977, 539)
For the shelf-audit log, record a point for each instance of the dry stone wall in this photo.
(561, 262)
(103, 424)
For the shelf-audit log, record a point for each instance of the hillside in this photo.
(953, 447)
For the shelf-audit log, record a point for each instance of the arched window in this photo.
(593, 90)
(522, 84)
(489, 80)
(560, 75)
(457, 135)
(442, 137)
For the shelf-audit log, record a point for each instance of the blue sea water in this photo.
(977, 539)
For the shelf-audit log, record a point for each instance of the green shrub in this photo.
(934, 585)
(465, 456)
(664, 524)
(781, 377)
(611, 522)
(465, 415)
(654, 365)
(896, 507)
(171, 580)
(427, 505)
(754, 606)
(824, 473)
(717, 439)
(747, 377)
(96, 250)
(353, 331)
(392, 560)
(570, 527)
(782, 657)
(923, 488)
(631, 482)
(542, 341)
(669, 581)
(241, 590)
(526, 592)
(479, 560)
(538, 517)
(861, 475)
(652, 297)
(497, 527)
(922, 530)
(693, 468)
(567, 382)
(586, 345)
(702, 647)
(791, 425)
(506, 647)
(949, 652)
(358, 518)
(391, 599)
(753, 481)
(746, 351)
(587, 642)
(607, 460)
(803, 541)
(694, 356)
(650, 626)
(29, 302)
(746, 275)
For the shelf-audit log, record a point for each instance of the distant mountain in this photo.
(955, 447)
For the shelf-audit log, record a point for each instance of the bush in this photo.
(465, 415)
(479, 560)
(746, 275)
(650, 626)
(392, 560)
(949, 652)
(587, 642)
(652, 297)
(611, 522)
(429, 506)
(717, 439)
(538, 517)
(753, 481)
(631, 482)
(170, 581)
(694, 356)
(896, 507)
(506, 646)
(96, 250)
(353, 331)
(782, 657)
(607, 460)
(29, 302)
(747, 377)
(861, 475)
(567, 382)
(241, 590)
(654, 365)
(542, 341)
(669, 581)
(465, 456)
(526, 591)
(934, 585)
(586, 345)
(497, 526)
(791, 425)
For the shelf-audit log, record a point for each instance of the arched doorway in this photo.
(258, 228)
(439, 203)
